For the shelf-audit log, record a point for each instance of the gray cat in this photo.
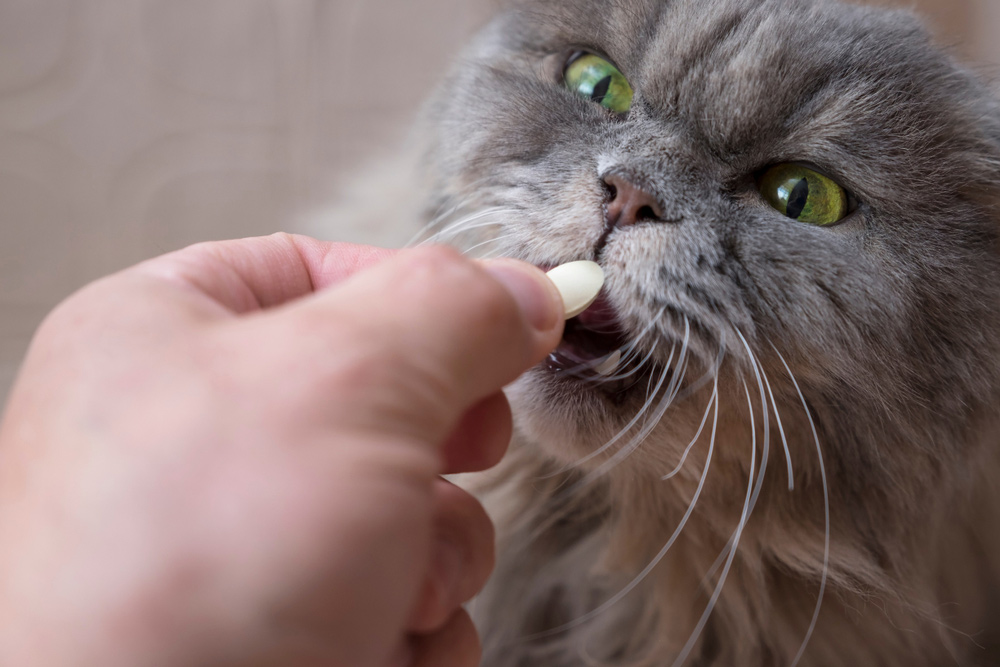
(793, 461)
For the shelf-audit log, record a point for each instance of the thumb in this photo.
(433, 333)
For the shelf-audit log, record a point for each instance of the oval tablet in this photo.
(579, 283)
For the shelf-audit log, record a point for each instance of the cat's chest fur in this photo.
(794, 202)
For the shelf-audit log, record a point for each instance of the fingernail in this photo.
(537, 296)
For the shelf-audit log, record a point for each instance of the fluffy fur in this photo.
(856, 363)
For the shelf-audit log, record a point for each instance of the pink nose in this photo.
(629, 204)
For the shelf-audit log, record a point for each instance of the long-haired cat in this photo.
(794, 459)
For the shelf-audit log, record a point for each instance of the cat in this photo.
(795, 204)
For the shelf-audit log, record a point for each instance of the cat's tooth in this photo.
(579, 283)
(610, 364)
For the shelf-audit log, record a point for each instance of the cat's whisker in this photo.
(633, 444)
(450, 207)
(440, 215)
(826, 512)
(716, 564)
(781, 431)
(681, 373)
(721, 558)
(752, 490)
(592, 376)
(628, 588)
(468, 220)
(765, 422)
(631, 352)
(628, 354)
(652, 420)
(462, 225)
(651, 396)
(451, 231)
(626, 362)
(709, 374)
(701, 427)
(562, 498)
(495, 239)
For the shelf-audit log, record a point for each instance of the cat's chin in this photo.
(572, 419)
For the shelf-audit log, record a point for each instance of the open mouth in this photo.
(590, 338)
(595, 347)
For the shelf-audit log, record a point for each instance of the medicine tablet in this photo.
(579, 283)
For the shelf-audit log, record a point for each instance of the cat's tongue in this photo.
(599, 317)
(591, 342)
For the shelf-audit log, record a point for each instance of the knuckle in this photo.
(284, 238)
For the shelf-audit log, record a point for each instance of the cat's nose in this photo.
(628, 203)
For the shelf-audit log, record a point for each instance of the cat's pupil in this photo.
(797, 200)
(601, 89)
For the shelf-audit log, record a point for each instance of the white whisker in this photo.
(781, 431)
(462, 225)
(472, 214)
(439, 216)
(709, 374)
(687, 450)
(625, 451)
(626, 362)
(826, 510)
(617, 597)
(443, 213)
(654, 419)
(495, 239)
(717, 563)
(650, 397)
(764, 417)
(747, 507)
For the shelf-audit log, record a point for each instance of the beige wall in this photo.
(133, 127)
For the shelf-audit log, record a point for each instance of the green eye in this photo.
(803, 194)
(596, 79)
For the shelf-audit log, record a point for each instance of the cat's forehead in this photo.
(742, 68)
(740, 73)
(685, 33)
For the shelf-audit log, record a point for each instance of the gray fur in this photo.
(889, 322)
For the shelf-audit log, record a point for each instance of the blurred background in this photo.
(129, 128)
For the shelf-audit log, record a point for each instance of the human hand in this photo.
(230, 455)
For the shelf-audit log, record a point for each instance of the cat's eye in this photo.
(598, 80)
(803, 194)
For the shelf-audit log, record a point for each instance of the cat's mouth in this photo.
(596, 348)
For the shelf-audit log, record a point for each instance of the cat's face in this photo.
(883, 317)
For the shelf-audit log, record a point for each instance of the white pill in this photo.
(610, 364)
(579, 283)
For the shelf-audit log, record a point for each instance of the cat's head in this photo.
(775, 189)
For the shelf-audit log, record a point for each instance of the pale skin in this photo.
(231, 455)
